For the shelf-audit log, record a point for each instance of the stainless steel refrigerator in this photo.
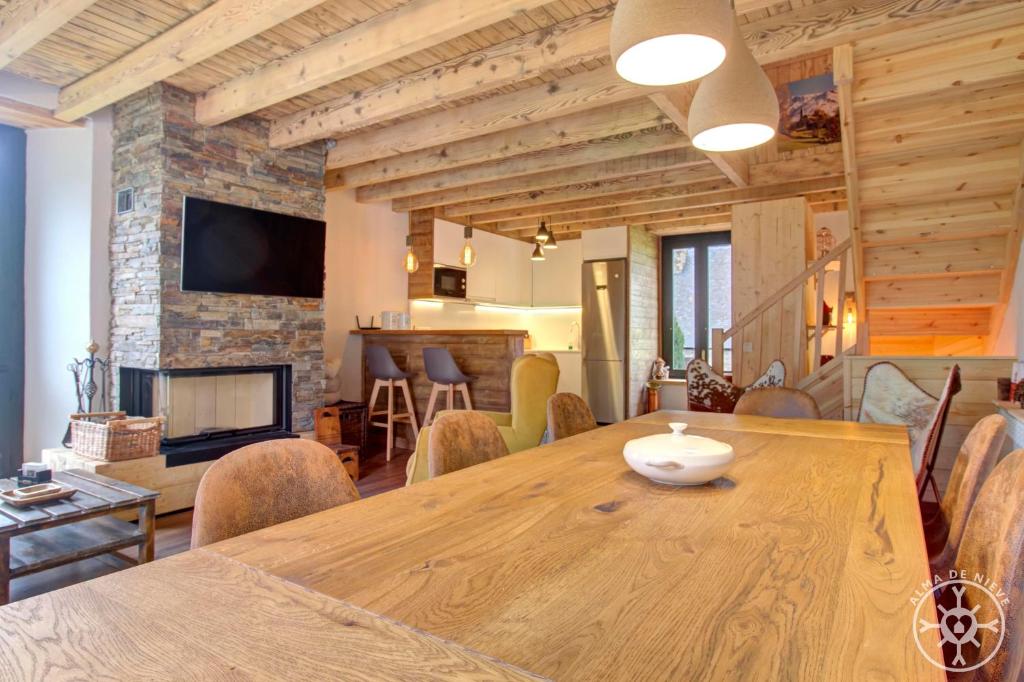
(604, 338)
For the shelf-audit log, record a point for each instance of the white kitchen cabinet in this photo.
(558, 279)
(503, 272)
(448, 241)
(481, 279)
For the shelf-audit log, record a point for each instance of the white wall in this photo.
(605, 243)
(1010, 339)
(67, 273)
(365, 245)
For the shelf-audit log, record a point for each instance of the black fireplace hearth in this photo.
(211, 411)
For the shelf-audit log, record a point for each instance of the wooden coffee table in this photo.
(55, 533)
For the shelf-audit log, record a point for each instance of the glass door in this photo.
(696, 296)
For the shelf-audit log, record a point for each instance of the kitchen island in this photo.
(486, 354)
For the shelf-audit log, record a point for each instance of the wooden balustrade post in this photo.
(718, 350)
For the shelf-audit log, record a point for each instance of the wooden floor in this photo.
(174, 531)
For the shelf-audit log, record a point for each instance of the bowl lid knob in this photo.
(677, 428)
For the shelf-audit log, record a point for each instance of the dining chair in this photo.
(709, 391)
(993, 546)
(446, 377)
(568, 415)
(265, 484)
(974, 462)
(779, 402)
(891, 397)
(462, 439)
(388, 377)
(532, 380)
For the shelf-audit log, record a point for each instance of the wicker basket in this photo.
(113, 437)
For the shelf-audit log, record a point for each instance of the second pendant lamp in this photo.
(735, 107)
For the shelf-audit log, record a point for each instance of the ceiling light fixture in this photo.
(667, 42)
(467, 257)
(538, 252)
(412, 263)
(551, 243)
(735, 107)
(542, 235)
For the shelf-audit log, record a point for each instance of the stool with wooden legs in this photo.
(387, 375)
(446, 375)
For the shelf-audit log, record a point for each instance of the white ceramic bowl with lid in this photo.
(678, 459)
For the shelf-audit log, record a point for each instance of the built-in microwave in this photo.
(449, 282)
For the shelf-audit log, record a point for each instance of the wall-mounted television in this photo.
(238, 250)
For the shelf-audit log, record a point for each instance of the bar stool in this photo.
(446, 375)
(387, 375)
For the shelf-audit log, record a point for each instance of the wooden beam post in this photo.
(675, 102)
(842, 66)
(21, 115)
(23, 23)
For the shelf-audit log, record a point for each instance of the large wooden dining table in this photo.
(558, 562)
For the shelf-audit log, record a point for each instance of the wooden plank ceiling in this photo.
(499, 114)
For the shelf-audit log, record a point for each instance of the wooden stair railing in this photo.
(778, 327)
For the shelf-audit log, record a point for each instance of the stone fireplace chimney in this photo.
(164, 155)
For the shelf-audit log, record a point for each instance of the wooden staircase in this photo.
(932, 142)
(791, 326)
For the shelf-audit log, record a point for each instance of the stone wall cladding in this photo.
(643, 313)
(233, 164)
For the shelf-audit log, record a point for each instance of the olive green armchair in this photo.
(534, 379)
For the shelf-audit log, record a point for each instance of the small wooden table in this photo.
(51, 534)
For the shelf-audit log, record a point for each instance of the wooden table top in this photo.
(799, 564)
(200, 616)
(439, 332)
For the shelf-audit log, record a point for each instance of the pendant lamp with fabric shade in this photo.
(667, 42)
(736, 106)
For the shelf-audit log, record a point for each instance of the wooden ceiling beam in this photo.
(563, 45)
(682, 157)
(675, 103)
(714, 214)
(392, 35)
(615, 120)
(447, 184)
(575, 93)
(648, 188)
(23, 23)
(21, 115)
(686, 227)
(219, 26)
(536, 202)
(664, 210)
(669, 198)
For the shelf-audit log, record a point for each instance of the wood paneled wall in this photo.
(975, 400)
(421, 229)
(769, 248)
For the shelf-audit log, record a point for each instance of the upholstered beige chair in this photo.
(973, 464)
(532, 381)
(993, 546)
(779, 402)
(266, 484)
(568, 415)
(462, 439)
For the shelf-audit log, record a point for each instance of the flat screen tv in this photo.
(237, 250)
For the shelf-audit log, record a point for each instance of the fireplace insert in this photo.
(211, 411)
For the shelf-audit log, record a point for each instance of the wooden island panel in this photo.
(485, 354)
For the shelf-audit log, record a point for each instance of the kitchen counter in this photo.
(486, 354)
